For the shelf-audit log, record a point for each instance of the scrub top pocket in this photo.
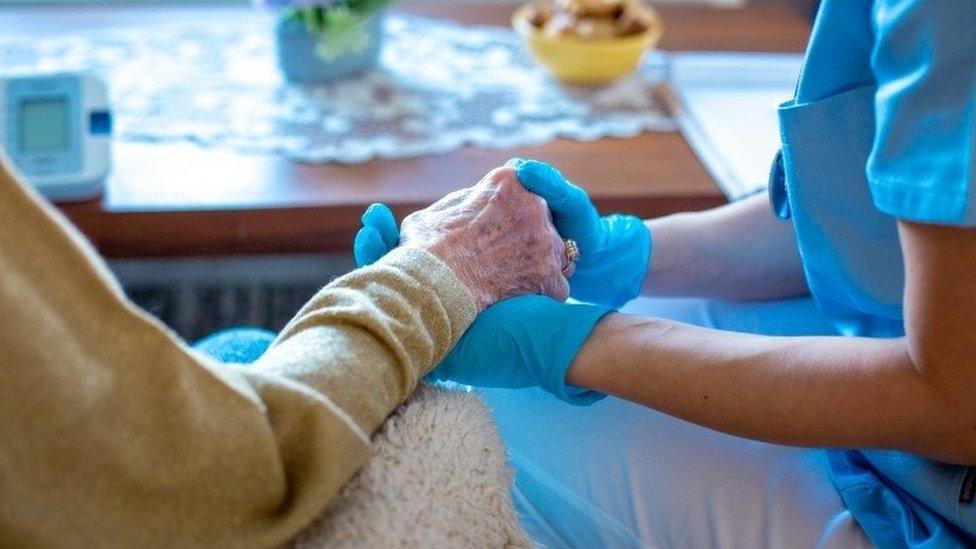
(850, 250)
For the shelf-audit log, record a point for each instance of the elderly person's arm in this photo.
(114, 433)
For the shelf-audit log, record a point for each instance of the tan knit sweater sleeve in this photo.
(114, 433)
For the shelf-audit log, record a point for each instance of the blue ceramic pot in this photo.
(301, 63)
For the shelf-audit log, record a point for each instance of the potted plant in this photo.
(322, 40)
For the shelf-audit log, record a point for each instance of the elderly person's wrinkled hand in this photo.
(496, 236)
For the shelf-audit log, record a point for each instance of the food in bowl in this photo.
(590, 19)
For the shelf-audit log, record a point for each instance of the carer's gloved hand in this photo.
(378, 236)
(614, 250)
(519, 342)
(522, 342)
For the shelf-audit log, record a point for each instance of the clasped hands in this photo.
(503, 237)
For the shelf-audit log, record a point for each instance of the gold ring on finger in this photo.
(572, 250)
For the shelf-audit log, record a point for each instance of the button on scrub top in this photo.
(881, 129)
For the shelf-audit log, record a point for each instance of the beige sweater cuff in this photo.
(441, 280)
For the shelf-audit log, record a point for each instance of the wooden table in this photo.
(165, 200)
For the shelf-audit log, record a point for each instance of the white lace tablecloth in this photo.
(440, 87)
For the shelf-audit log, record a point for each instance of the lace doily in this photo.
(439, 87)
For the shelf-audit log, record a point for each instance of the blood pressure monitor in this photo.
(56, 128)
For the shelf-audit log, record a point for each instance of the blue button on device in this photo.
(100, 123)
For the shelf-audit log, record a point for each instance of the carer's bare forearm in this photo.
(812, 391)
(739, 251)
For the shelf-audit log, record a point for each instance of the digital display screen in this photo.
(44, 125)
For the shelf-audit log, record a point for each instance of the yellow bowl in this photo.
(577, 61)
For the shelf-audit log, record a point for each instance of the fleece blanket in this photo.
(438, 477)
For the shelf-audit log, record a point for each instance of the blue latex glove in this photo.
(519, 342)
(523, 342)
(614, 250)
(377, 237)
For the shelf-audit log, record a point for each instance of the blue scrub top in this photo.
(882, 128)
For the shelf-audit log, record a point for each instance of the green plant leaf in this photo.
(340, 26)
